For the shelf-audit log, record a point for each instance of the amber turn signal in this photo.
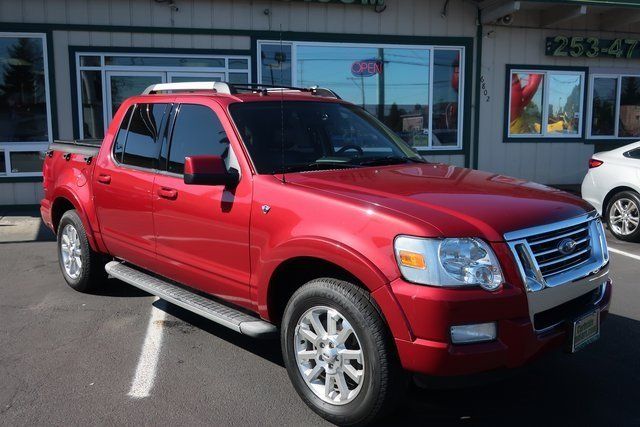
(412, 259)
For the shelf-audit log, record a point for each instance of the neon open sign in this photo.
(366, 68)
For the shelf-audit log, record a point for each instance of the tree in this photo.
(393, 119)
(20, 81)
(630, 91)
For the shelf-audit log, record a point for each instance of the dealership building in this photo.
(527, 89)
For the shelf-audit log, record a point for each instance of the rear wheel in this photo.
(623, 216)
(82, 268)
(339, 354)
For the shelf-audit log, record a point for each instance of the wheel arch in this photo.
(293, 273)
(284, 276)
(64, 202)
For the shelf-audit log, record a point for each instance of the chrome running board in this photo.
(224, 315)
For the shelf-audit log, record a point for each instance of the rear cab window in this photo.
(137, 143)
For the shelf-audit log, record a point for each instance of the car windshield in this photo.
(297, 136)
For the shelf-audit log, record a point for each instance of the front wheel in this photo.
(623, 216)
(339, 353)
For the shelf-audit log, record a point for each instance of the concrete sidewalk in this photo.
(18, 226)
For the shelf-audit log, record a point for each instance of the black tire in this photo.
(384, 381)
(91, 274)
(625, 197)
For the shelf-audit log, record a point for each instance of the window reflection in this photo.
(604, 106)
(164, 61)
(526, 103)
(25, 161)
(91, 95)
(23, 95)
(276, 64)
(564, 100)
(406, 94)
(390, 83)
(630, 107)
(123, 87)
(331, 66)
(446, 90)
(142, 145)
(238, 78)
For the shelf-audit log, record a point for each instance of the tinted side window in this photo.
(142, 146)
(633, 154)
(121, 137)
(197, 131)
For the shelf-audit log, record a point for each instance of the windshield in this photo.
(296, 136)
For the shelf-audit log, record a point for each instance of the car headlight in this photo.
(448, 262)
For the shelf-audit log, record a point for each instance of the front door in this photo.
(202, 231)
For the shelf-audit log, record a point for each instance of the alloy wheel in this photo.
(71, 252)
(329, 355)
(624, 216)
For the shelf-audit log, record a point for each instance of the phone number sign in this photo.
(592, 47)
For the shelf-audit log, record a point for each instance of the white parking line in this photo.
(147, 364)
(619, 252)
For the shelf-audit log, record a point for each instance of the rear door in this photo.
(123, 185)
(202, 231)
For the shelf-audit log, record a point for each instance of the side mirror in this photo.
(209, 170)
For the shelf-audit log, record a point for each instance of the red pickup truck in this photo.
(289, 210)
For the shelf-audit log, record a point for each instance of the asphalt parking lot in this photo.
(71, 358)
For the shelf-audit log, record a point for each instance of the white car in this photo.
(612, 186)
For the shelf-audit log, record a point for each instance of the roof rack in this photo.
(232, 89)
(219, 87)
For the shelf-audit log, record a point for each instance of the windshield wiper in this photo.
(319, 165)
(389, 160)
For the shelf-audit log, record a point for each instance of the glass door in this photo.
(124, 84)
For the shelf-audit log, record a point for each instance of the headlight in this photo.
(448, 262)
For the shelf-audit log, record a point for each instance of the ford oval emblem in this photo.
(567, 246)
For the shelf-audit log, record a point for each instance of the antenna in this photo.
(284, 180)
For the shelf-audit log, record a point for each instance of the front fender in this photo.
(341, 255)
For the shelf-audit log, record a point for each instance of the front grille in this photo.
(545, 249)
(567, 311)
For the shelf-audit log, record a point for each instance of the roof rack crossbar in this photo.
(266, 88)
(230, 89)
(219, 87)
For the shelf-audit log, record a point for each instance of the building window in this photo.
(615, 107)
(106, 80)
(415, 90)
(26, 161)
(629, 122)
(545, 104)
(25, 116)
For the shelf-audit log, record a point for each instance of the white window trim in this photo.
(545, 105)
(430, 48)
(618, 77)
(12, 146)
(104, 69)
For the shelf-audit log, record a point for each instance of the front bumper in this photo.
(431, 311)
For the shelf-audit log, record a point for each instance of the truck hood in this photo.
(453, 201)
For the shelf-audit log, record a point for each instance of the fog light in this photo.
(480, 332)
